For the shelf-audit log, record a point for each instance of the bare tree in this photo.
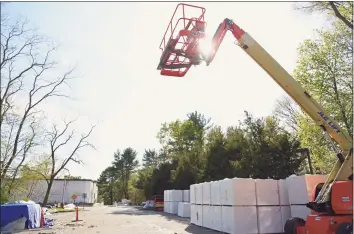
(58, 139)
(342, 10)
(35, 190)
(288, 111)
(27, 74)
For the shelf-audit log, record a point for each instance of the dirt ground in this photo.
(122, 220)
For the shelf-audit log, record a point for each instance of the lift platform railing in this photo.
(170, 29)
(180, 42)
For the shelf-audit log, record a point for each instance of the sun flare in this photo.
(205, 46)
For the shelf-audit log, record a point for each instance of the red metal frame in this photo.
(179, 44)
(158, 202)
(323, 224)
(183, 5)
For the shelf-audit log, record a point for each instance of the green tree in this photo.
(150, 158)
(343, 11)
(217, 156)
(116, 181)
(105, 185)
(313, 138)
(29, 175)
(183, 141)
(194, 151)
(124, 165)
(238, 148)
(161, 178)
(4, 196)
(324, 69)
(202, 123)
(144, 181)
(152, 172)
(136, 194)
(181, 136)
(270, 151)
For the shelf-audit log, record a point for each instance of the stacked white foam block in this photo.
(197, 214)
(207, 218)
(171, 200)
(238, 210)
(166, 201)
(199, 194)
(272, 205)
(193, 205)
(241, 206)
(196, 199)
(186, 195)
(199, 203)
(215, 206)
(284, 202)
(176, 197)
(192, 194)
(215, 193)
(216, 209)
(300, 190)
(184, 209)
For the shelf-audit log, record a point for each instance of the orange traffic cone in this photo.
(77, 214)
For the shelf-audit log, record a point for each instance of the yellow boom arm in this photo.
(343, 169)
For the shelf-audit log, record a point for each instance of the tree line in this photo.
(195, 150)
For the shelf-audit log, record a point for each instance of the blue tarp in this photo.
(12, 212)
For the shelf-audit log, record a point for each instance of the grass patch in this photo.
(62, 210)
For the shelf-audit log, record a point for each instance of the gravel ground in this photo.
(122, 220)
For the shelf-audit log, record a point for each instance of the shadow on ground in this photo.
(138, 211)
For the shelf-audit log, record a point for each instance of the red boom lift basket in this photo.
(180, 43)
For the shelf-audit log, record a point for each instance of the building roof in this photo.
(61, 179)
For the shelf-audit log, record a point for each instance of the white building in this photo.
(62, 191)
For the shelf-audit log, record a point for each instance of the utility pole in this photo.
(64, 189)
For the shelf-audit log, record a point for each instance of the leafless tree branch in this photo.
(55, 144)
(287, 110)
(22, 59)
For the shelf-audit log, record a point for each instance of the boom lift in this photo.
(332, 205)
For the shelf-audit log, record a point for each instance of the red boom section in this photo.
(226, 25)
(180, 44)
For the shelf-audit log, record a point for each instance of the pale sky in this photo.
(115, 48)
